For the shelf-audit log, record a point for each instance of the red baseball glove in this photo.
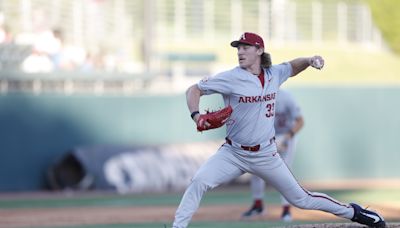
(216, 119)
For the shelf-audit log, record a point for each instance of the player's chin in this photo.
(242, 64)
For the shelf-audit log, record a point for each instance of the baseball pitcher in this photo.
(249, 92)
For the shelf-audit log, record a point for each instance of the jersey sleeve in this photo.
(220, 83)
(284, 70)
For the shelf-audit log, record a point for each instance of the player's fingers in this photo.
(321, 63)
(224, 121)
(200, 122)
(317, 62)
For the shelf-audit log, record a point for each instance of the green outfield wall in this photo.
(348, 133)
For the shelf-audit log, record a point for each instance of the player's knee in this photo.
(301, 205)
(206, 180)
(300, 202)
(201, 183)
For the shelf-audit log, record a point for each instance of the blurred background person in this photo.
(37, 62)
(6, 36)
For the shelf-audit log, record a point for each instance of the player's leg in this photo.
(286, 215)
(222, 167)
(257, 187)
(288, 157)
(283, 180)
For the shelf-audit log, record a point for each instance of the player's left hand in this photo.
(211, 120)
(317, 62)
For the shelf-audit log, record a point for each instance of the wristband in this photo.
(194, 113)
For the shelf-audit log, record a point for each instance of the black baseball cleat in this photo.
(367, 217)
(253, 211)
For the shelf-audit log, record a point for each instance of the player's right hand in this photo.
(317, 62)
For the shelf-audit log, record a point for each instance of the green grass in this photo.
(219, 196)
(215, 197)
(231, 224)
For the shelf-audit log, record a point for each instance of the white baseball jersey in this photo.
(244, 92)
(286, 113)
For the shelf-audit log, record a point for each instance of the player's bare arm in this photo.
(209, 120)
(300, 64)
(193, 94)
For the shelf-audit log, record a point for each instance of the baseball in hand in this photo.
(316, 63)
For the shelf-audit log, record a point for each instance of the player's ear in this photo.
(260, 51)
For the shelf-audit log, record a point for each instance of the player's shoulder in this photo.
(279, 66)
(234, 72)
(231, 71)
(279, 70)
(223, 75)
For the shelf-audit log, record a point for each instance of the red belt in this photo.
(248, 148)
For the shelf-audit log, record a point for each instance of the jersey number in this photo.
(270, 110)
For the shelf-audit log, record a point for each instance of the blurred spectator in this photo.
(57, 43)
(93, 62)
(71, 58)
(11, 54)
(62, 57)
(6, 36)
(45, 52)
(37, 62)
(49, 42)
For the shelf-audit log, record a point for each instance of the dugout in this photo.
(69, 173)
(129, 169)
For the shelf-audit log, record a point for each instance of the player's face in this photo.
(248, 55)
